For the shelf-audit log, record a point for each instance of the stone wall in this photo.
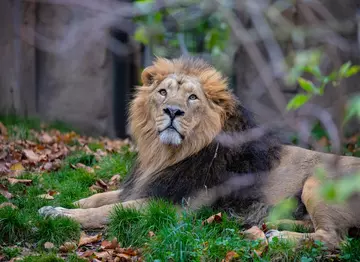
(17, 70)
(74, 85)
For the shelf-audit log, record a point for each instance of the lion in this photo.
(175, 119)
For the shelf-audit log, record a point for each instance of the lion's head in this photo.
(179, 110)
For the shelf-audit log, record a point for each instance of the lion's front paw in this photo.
(53, 211)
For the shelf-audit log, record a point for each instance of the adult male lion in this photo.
(174, 119)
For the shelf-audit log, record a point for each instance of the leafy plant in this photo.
(345, 71)
(161, 31)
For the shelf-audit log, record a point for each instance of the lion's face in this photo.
(179, 106)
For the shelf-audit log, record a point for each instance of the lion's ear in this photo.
(147, 75)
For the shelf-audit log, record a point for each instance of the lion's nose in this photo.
(173, 111)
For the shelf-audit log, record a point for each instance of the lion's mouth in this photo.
(171, 127)
(171, 136)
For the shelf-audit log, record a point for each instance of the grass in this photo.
(162, 233)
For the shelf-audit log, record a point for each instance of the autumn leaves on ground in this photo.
(49, 164)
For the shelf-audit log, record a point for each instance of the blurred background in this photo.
(79, 61)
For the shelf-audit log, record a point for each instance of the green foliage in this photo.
(189, 240)
(81, 157)
(280, 250)
(42, 258)
(151, 31)
(132, 226)
(116, 164)
(301, 66)
(56, 230)
(353, 109)
(15, 225)
(25, 124)
(95, 146)
(10, 252)
(297, 101)
(350, 250)
(339, 190)
(25, 224)
(282, 210)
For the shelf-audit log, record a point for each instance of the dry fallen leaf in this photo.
(124, 257)
(49, 245)
(17, 167)
(109, 245)
(82, 166)
(46, 196)
(3, 129)
(67, 247)
(14, 181)
(214, 218)
(48, 166)
(85, 239)
(151, 234)
(3, 154)
(104, 255)
(255, 233)
(4, 170)
(4, 191)
(127, 251)
(323, 141)
(46, 138)
(230, 255)
(102, 184)
(31, 155)
(8, 204)
(87, 253)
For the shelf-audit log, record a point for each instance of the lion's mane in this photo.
(194, 169)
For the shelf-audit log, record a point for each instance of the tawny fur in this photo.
(221, 105)
(201, 164)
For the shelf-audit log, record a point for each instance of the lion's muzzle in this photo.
(171, 134)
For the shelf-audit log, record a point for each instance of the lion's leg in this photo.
(331, 222)
(100, 199)
(90, 218)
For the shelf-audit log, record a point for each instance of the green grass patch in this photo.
(15, 225)
(177, 237)
(56, 230)
(24, 124)
(95, 146)
(132, 226)
(11, 252)
(43, 258)
(80, 157)
(118, 163)
(350, 250)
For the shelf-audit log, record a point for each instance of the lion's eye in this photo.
(163, 92)
(193, 97)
